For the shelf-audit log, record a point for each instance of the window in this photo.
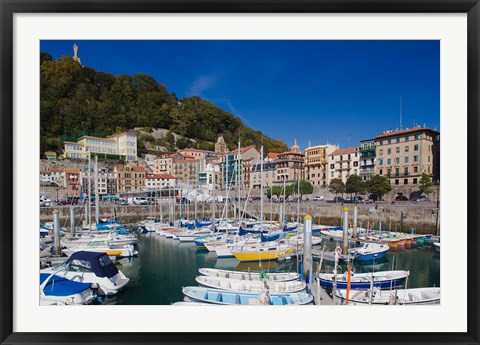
(405, 171)
(389, 161)
(415, 158)
(415, 169)
(414, 181)
(428, 159)
(398, 140)
(355, 164)
(397, 160)
(405, 181)
(381, 172)
(407, 138)
(406, 159)
(397, 171)
(389, 141)
(380, 161)
(389, 151)
(415, 148)
(380, 152)
(397, 149)
(396, 181)
(417, 136)
(407, 148)
(381, 142)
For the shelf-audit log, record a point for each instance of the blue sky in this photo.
(339, 92)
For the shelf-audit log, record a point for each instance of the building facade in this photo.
(130, 178)
(343, 163)
(316, 160)
(367, 159)
(289, 166)
(159, 181)
(186, 171)
(403, 155)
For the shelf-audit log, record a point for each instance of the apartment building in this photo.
(403, 155)
(316, 160)
(343, 163)
(159, 181)
(130, 178)
(197, 153)
(367, 159)
(186, 171)
(289, 166)
(72, 182)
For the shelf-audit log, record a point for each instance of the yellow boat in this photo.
(261, 254)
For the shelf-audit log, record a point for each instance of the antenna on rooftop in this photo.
(401, 106)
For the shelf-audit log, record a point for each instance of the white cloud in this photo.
(202, 84)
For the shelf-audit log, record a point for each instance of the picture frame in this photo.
(7, 173)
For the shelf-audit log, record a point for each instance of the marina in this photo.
(164, 266)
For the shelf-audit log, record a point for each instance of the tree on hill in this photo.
(426, 184)
(379, 185)
(75, 99)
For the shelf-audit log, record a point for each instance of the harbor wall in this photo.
(393, 217)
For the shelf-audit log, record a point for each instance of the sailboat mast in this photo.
(89, 192)
(239, 174)
(261, 189)
(96, 190)
(226, 190)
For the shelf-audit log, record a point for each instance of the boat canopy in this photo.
(99, 263)
(60, 286)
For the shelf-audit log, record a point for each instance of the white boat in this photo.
(92, 268)
(427, 295)
(362, 281)
(437, 246)
(240, 275)
(56, 290)
(101, 247)
(214, 296)
(190, 303)
(256, 286)
(369, 251)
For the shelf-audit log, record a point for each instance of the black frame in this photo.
(10, 7)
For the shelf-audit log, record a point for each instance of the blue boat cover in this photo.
(241, 231)
(59, 286)
(271, 237)
(98, 263)
(201, 224)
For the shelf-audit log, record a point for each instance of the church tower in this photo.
(221, 146)
(295, 147)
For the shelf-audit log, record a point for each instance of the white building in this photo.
(159, 181)
(343, 163)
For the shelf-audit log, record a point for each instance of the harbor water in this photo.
(164, 266)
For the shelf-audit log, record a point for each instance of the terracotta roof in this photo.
(243, 149)
(405, 131)
(272, 155)
(56, 170)
(137, 168)
(72, 171)
(342, 151)
(188, 157)
(119, 167)
(196, 150)
(160, 176)
(44, 172)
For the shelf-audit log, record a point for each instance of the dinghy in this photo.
(240, 275)
(215, 296)
(256, 286)
(382, 280)
(369, 251)
(427, 295)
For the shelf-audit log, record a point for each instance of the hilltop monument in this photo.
(75, 53)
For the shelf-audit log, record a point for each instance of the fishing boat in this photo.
(215, 296)
(369, 251)
(55, 290)
(92, 268)
(426, 295)
(240, 275)
(256, 286)
(262, 252)
(383, 280)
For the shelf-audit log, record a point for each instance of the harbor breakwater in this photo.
(422, 219)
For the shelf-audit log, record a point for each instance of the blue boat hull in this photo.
(370, 256)
(384, 284)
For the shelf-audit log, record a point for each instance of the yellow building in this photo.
(123, 145)
(403, 155)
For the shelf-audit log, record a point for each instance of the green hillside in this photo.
(77, 100)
